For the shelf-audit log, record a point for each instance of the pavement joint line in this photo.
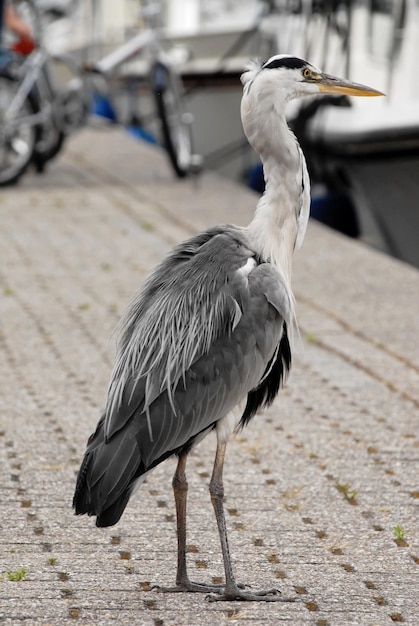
(87, 290)
(356, 332)
(103, 174)
(50, 343)
(28, 310)
(356, 363)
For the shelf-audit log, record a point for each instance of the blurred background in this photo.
(169, 73)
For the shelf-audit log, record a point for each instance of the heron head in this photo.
(268, 87)
(288, 77)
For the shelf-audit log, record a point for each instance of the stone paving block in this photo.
(314, 488)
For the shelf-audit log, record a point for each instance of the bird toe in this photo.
(236, 593)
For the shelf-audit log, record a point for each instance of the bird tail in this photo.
(108, 475)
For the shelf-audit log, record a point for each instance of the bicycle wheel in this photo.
(175, 121)
(17, 140)
(49, 144)
(71, 106)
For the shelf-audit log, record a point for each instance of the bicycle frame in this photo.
(165, 88)
(148, 39)
(37, 112)
(35, 74)
(125, 52)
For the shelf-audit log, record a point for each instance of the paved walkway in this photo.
(314, 487)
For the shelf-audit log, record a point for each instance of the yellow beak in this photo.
(331, 84)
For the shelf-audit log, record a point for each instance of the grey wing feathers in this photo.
(195, 341)
(185, 313)
(183, 306)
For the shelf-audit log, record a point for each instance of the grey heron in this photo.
(204, 344)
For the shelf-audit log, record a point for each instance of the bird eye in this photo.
(307, 73)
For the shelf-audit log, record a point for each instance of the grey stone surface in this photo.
(74, 245)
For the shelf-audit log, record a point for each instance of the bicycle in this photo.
(164, 83)
(36, 114)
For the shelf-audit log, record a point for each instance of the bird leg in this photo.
(180, 490)
(232, 590)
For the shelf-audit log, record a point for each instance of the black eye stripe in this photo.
(292, 63)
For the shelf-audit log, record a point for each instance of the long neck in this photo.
(275, 226)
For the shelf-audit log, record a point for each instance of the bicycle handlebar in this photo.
(125, 52)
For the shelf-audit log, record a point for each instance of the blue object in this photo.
(5, 60)
(101, 106)
(255, 179)
(138, 132)
(336, 210)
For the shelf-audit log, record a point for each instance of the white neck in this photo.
(276, 223)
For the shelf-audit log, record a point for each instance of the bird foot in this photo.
(236, 592)
(190, 586)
